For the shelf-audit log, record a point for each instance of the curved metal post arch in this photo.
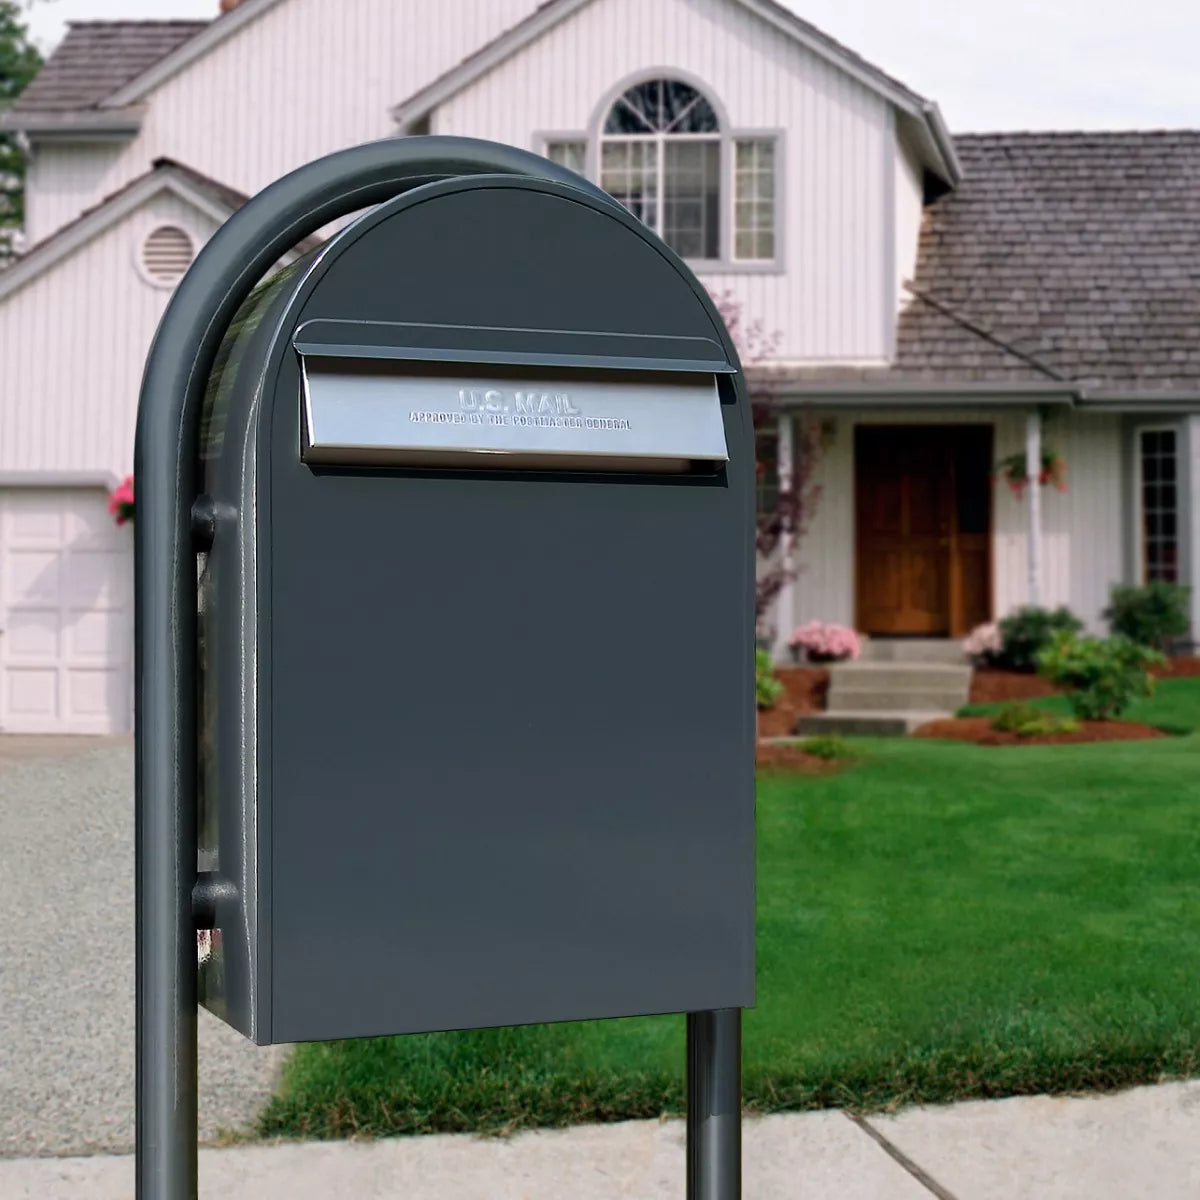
(165, 464)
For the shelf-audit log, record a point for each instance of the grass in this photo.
(936, 922)
(1174, 707)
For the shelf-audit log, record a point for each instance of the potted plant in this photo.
(120, 501)
(1013, 469)
(817, 642)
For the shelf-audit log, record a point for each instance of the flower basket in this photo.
(1013, 470)
(121, 503)
(821, 644)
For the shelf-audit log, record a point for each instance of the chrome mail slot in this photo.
(373, 413)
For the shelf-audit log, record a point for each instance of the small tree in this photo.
(19, 63)
(790, 508)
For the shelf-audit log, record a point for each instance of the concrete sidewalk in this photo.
(1139, 1145)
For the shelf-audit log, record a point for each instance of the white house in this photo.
(940, 303)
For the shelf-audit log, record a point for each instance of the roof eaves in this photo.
(884, 393)
(212, 35)
(88, 123)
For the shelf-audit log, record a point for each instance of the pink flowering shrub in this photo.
(120, 502)
(826, 643)
(984, 642)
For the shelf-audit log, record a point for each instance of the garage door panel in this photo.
(66, 623)
(34, 634)
(91, 695)
(32, 576)
(32, 696)
(31, 520)
(93, 578)
(95, 635)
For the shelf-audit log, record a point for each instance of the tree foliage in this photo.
(19, 63)
(785, 511)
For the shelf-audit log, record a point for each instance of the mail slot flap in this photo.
(404, 342)
(464, 415)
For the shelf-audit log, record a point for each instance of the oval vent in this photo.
(167, 253)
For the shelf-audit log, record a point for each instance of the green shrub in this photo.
(767, 689)
(1154, 615)
(1027, 721)
(1025, 633)
(1102, 676)
(830, 747)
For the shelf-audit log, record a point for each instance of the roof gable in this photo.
(211, 198)
(931, 135)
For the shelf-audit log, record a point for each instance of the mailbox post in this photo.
(424, 520)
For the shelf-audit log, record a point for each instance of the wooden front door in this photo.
(923, 500)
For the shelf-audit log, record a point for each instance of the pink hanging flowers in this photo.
(120, 501)
(1013, 470)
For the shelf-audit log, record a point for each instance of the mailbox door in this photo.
(507, 753)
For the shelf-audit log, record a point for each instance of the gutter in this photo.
(877, 394)
(882, 395)
(86, 125)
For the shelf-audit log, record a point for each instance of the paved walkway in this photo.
(66, 960)
(1139, 1145)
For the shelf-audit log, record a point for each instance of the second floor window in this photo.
(663, 152)
(660, 156)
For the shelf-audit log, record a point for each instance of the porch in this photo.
(911, 536)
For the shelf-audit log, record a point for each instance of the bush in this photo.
(1027, 721)
(830, 747)
(826, 643)
(1154, 615)
(1025, 633)
(767, 689)
(1102, 676)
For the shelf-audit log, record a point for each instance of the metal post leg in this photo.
(166, 848)
(714, 1129)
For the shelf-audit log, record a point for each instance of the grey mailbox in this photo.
(474, 500)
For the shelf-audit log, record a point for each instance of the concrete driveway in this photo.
(67, 960)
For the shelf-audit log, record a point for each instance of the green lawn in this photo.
(1174, 707)
(936, 921)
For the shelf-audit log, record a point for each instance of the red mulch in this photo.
(979, 731)
(1180, 668)
(990, 686)
(804, 691)
(782, 756)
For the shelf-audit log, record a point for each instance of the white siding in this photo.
(305, 79)
(1082, 527)
(831, 301)
(910, 199)
(62, 181)
(75, 341)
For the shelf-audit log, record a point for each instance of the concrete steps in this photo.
(895, 688)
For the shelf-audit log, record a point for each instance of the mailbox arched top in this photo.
(515, 317)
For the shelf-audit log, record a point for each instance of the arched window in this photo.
(660, 156)
(665, 151)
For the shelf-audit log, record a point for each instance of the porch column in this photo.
(785, 609)
(1033, 468)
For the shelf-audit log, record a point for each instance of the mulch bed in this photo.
(991, 686)
(804, 691)
(979, 731)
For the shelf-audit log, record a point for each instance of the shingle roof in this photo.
(96, 58)
(1078, 250)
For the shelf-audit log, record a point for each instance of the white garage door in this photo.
(66, 613)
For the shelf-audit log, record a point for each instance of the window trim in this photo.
(730, 134)
(1139, 498)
